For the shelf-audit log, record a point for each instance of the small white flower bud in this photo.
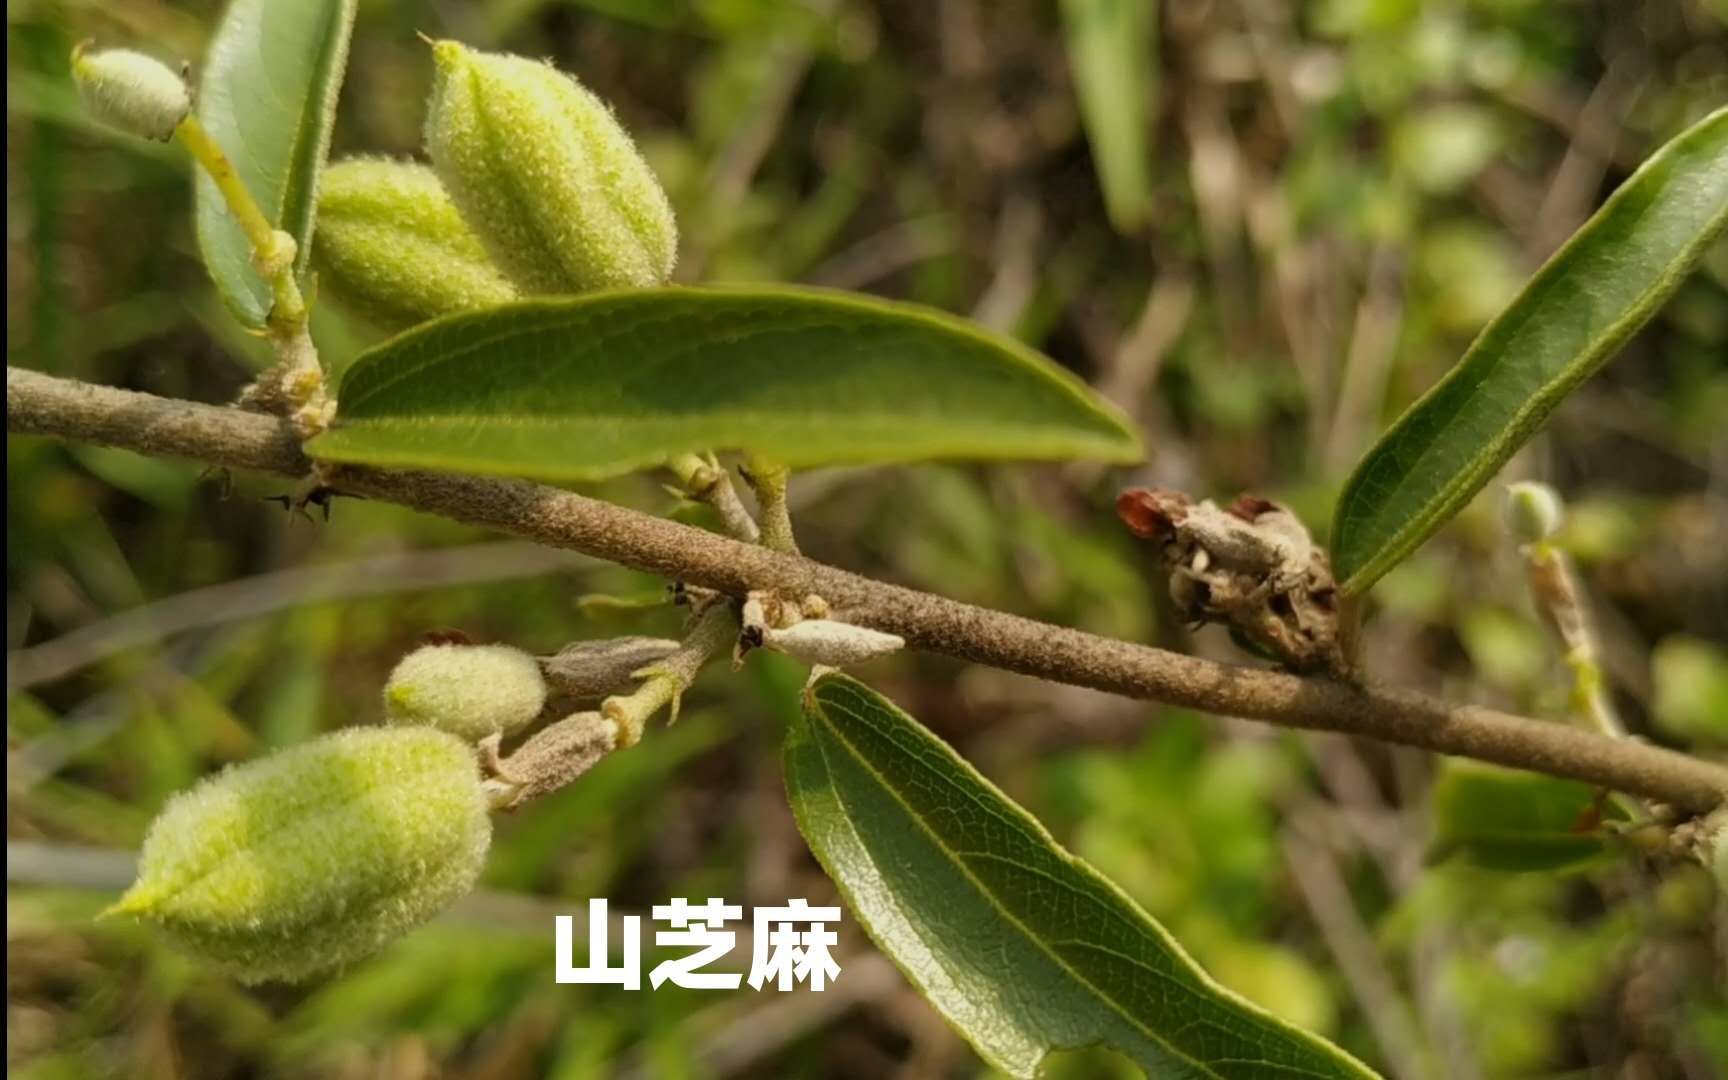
(1533, 511)
(829, 643)
(131, 92)
(468, 690)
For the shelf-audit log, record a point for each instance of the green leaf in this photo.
(1112, 52)
(1504, 819)
(586, 387)
(1023, 947)
(268, 98)
(1605, 283)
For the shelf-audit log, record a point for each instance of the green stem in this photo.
(268, 252)
(769, 479)
(705, 481)
(664, 681)
(1555, 588)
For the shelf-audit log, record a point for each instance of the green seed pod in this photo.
(546, 176)
(132, 92)
(1533, 511)
(392, 245)
(468, 690)
(315, 857)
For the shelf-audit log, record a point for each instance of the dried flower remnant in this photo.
(1251, 566)
(592, 670)
(550, 758)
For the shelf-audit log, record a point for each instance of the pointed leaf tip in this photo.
(975, 902)
(1576, 312)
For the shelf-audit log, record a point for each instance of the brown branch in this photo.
(44, 405)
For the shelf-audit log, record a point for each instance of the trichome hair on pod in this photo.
(295, 864)
(545, 175)
(468, 690)
(392, 246)
(131, 92)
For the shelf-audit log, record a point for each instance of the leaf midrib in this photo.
(1395, 545)
(1027, 363)
(851, 417)
(990, 899)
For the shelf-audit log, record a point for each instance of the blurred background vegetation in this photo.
(1261, 228)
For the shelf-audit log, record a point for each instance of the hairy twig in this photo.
(45, 405)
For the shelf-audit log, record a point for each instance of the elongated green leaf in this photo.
(1572, 316)
(585, 387)
(268, 98)
(1114, 58)
(1504, 819)
(1023, 947)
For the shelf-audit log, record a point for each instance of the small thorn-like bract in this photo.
(392, 245)
(468, 690)
(291, 865)
(1533, 511)
(546, 176)
(131, 92)
(830, 643)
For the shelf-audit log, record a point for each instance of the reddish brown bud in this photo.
(1150, 513)
(1249, 507)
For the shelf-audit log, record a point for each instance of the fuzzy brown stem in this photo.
(44, 405)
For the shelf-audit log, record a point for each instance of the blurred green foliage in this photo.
(1341, 193)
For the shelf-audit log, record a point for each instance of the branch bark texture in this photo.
(40, 404)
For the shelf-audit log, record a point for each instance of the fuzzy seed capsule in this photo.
(131, 92)
(312, 858)
(468, 690)
(392, 245)
(546, 176)
(1533, 511)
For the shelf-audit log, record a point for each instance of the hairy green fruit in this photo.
(468, 690)
(392, 245)
(546, 176)
(132, 92)
(317, 856)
